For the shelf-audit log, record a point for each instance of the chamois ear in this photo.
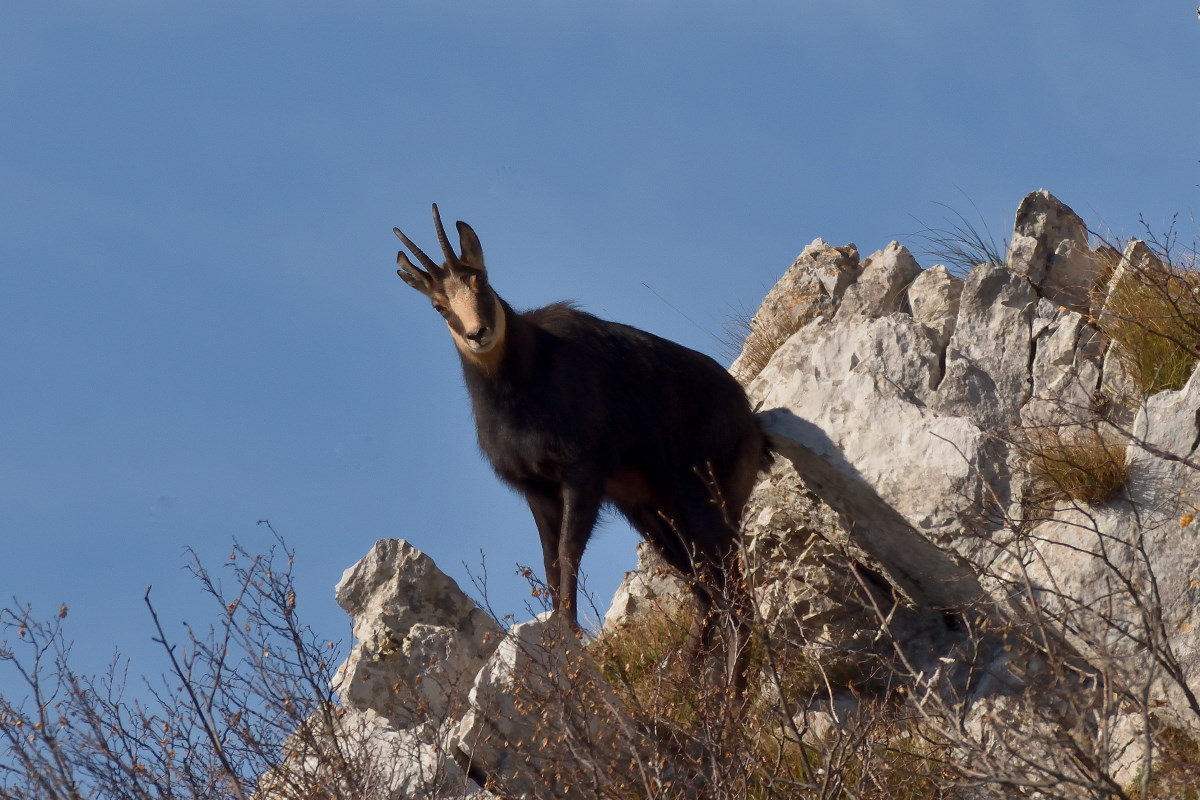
(468, 245)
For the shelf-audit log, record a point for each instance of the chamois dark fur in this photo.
(574, 411)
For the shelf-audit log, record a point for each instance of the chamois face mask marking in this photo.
(475, 319)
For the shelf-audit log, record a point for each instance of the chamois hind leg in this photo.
(668, 539)
(723, 597)
(738, 614)
(731, 492)
(698, 541)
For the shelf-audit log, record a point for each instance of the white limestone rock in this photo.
(420, 641)
(1049, 246)
(652, 588)
(1066, 367)
(543, 722)
(987, 360)
(415, 629)
(860, 395)
(882, 284)
(933, 299)
(811, 288)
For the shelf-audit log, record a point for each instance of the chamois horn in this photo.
(427, 262)
(452, 261)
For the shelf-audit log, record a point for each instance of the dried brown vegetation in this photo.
(1085, 463)
(238, 700)
(754, 341)
(1150, 309)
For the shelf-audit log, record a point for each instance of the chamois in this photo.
(574, 411)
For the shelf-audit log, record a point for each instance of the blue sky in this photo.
(201, 325)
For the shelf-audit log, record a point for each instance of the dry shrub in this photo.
(780, 740)
(239, 701)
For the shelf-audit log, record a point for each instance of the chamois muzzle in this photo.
(480, 337)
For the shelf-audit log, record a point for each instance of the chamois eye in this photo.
(441, 309)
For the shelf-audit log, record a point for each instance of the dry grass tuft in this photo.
(640, 658)
(1079, 463)
(959, 243)
(769, 745)
(1151, 313)
(756, 343)
(1176, 771)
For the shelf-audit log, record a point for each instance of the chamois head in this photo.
(458, 290)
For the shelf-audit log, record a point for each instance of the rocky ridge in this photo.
(892, 394)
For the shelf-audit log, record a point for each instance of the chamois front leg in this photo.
(580, 507)
(547, 515)
(564, 519)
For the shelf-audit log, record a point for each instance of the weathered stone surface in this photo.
(543, 722)
(419, 643)
(651, 588)
(381, 762)
(1136, 260)
(818, 590)
(810, 288)
(415, 629)
(933, 298)
(987, 377)
(1049, 246)
(1168, 424)
(882, 283)
(1022, 747)
(857, 395)
(1066, 367)
(834, 268)
(925, 574)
